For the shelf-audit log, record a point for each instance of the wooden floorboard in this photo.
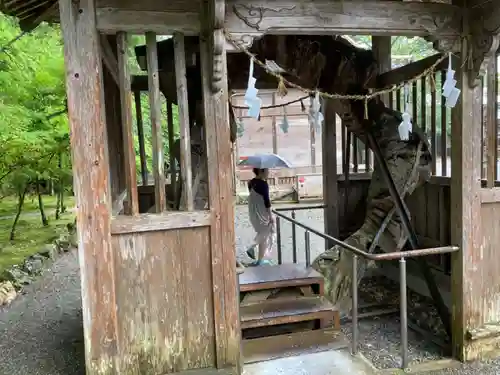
(273, 347)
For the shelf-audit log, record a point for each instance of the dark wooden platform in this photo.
(259, 278)
(283, 310)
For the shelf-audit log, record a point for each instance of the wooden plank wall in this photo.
(165, 300)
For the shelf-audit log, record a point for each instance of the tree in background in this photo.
(33, 121)
(34, 132)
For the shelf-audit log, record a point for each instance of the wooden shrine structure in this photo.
(159, 289)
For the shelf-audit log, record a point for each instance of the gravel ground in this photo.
(42, 334)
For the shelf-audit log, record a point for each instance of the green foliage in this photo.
(33, 123)
(31, 233)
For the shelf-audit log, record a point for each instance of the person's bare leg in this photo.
(262, 250)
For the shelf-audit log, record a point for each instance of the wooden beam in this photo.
(490, 195)
(409, 71)
(126, 113)
(155, 116)
(287, 17)
(359, 17)
(92, 188)
(160, 222)
(109, 57)
(139, 82)
(182, 106)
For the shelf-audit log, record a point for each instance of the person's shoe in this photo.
(251, 252)
(264, 262)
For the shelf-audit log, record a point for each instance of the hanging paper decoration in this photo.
(406, 127)
(315, 115)
(252, 101)
(273, 67)
(450, 92)
(284, 123)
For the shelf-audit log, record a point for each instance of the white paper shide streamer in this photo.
(450, 92)
(406, 127)
(252, 101)
(315, 115)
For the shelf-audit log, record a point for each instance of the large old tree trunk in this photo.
(409, 165)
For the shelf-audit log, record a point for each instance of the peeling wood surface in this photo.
(164, 291)
(160, 222)
(84, 77)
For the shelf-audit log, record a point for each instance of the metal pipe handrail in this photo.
(364, 254)
(400, 255)
(299, 208)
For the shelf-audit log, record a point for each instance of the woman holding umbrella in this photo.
(259, 210)
(259, 203)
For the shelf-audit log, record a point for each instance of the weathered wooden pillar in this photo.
(330, 180)
(466, 212)
(216, 114)
(84, 77)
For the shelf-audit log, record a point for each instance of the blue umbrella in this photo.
(266, 161)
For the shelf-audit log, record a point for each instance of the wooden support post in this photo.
(155, 116)
(126, 112)
(491, 123)
(215, 105)
(173, 167)
(466, 210)
(140, 135)
(330, 181)
(182, 105)
(91, 182)
(382, 49)
(381, 46)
